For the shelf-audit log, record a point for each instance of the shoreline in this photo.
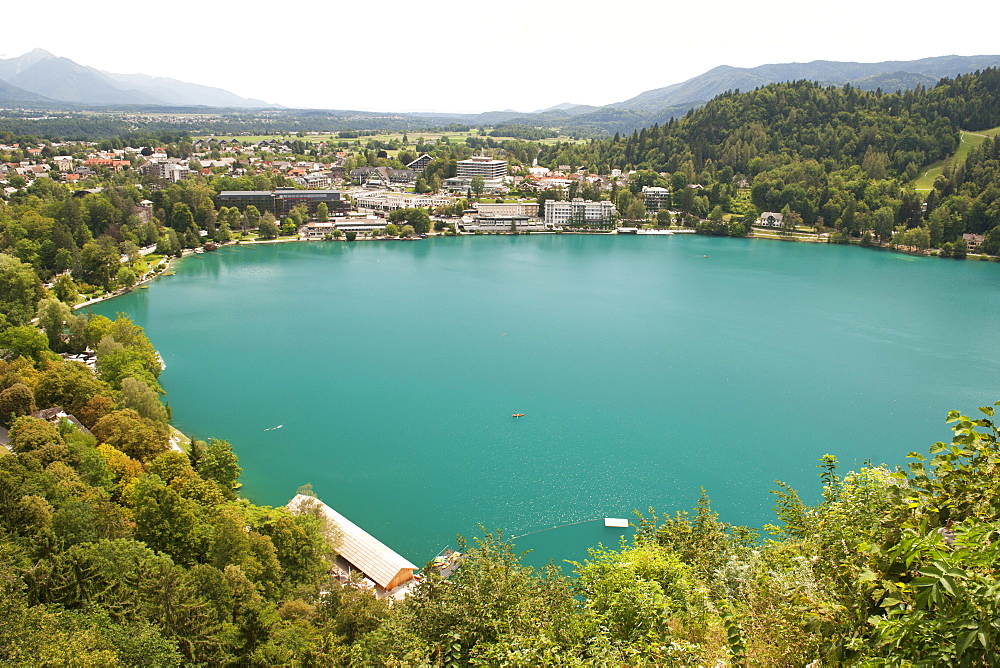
(168, 263)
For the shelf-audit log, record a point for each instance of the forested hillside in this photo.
(120, 551)
(840, 158)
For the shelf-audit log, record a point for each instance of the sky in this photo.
(468, 56)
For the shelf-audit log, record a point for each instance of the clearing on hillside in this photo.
(969, 139)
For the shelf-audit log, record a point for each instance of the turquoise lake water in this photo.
(644, 369)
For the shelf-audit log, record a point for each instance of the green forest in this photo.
(119, 549)
(841, 159)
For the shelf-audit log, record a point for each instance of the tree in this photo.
(165, 521)
(218, 462)
(23, 341)
(991, 242)
(126, 277)
(134, 435)
(478, 185)
(420, 220)
(268, 229)
(253, 217)
(138, 396)
(171, 464)
(182, 219)
(169, 243)
(636, 210)
(391, 230)
(53, 317)
(322, 212)
(28, 434)
(70, 385)
(20, 290)
(16, 401)
(99, 261)
(882, 223)
(65, 290)
(222, 234)
(960, 249)
(130, 250)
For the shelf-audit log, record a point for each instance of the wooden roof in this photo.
(361, 549)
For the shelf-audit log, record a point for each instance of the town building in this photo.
(580, 213)
(771, 219)
(318, 181)
(656, 198)
(318, 230)
(383, 177)
(166, 169)
(144, 210)
(973, 241)
(361, 225)
(529, 209)
(420, 164)
(281, 201)
(390, 201)
(503, 223)
(359, 551)
(488, 168)
(463, 184)
(113, 165)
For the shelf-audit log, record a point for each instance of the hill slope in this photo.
(10, 93)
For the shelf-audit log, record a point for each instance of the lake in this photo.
(646, 368)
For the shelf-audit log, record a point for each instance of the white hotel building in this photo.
(580, 212)
(488, 168)
(390, 201)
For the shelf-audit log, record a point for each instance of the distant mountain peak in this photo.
(558, 107)
(62, 79)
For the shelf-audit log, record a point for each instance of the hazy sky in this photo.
(469, 56)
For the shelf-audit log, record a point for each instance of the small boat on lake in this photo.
(517, 415)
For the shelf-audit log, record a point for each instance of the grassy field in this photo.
(412, 137)
(969, 139)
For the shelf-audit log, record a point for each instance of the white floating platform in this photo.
(615, 522)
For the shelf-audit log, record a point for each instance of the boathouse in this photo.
(362, 551)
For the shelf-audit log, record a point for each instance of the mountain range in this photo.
(39, 76)
(889, 75)
(661, 104)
